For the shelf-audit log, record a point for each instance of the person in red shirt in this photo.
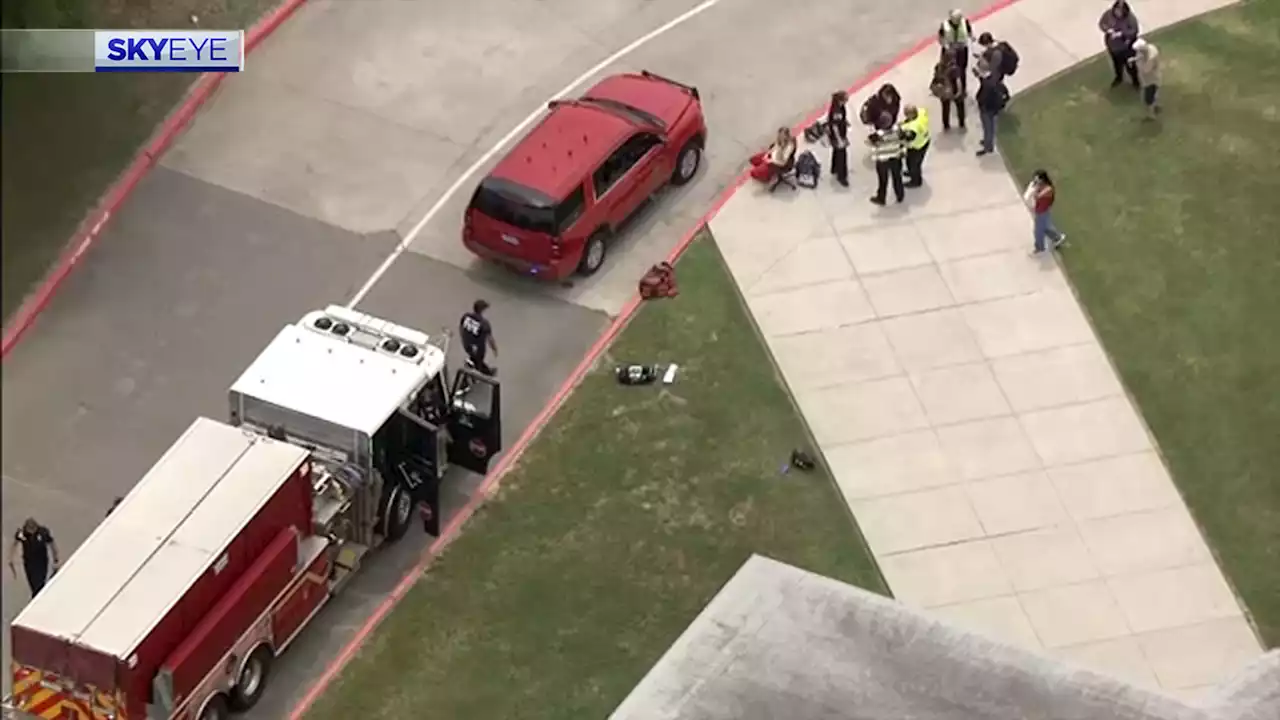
(1039, 196)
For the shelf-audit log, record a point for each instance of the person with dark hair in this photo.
(1039, 197)
(886, 101)
(947, 86)
(990, 61)
(838, 134)
(1120, 29)
(887, 150)
(36, 545)
(954, 35)
(992, 98)
(477, 336)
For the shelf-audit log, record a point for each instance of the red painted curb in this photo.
(118, 192)
(487, 486)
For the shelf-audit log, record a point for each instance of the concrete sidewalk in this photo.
(975, 426)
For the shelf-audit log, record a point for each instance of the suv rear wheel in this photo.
(593, 254)
(687, 162)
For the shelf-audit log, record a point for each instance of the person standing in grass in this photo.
(1119, 28)
(1039, 197)
(1146, 60)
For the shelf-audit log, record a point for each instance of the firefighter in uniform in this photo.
(887, 150)
(915, 133)
(955, 34)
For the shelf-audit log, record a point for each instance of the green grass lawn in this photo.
(620, 523)
(1175, 229)
(66, 137)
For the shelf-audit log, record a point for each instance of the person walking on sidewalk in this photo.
(992, 98)
(1146, 59)
(1119, 28)
(36, 545)
(954, 35)
(838, 134)
(946, 87)
(1039, 197)
(887, 149)
(915, 133)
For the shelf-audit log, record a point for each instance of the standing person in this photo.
(1039, 197)
(36, 544)
(1146, 59)
(887, 150)
(992, 98)
(838, 134)
(946, 86)
(886, 100)
(915, 132)
(1119, 28)
(990, 58)
(477, 336)
(955, 34)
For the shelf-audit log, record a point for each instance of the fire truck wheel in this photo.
(397, 513)
(252, 681)
(215, 708)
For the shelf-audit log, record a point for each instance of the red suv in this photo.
(552, 204)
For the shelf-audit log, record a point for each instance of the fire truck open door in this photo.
(475, 420)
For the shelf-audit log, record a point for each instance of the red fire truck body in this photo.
(207, 543)
(176, 605)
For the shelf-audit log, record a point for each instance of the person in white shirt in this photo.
(765, 166)
(1146, 61)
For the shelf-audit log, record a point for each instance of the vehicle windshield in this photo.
(519, 207)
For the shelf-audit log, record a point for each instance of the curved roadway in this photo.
(305, 172)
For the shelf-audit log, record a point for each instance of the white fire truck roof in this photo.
(351, 380)
(166, 533)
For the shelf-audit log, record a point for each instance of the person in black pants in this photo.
(1120, 29)
(36, 545)
(887, 149)
(477, 336)
(838, 134)
(946, 87)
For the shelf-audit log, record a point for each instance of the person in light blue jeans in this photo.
(1039, 197)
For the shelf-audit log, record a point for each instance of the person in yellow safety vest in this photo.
(955, 34)
(915, 133)
(887, 150)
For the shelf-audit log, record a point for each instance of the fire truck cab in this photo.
(176, 605)
(375, 404)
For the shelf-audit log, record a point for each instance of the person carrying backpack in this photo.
(997, 58)
(946, 86)
(992, 98)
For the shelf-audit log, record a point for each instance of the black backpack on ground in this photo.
(1008, 58)
(808, 170)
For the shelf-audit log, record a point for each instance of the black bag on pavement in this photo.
(808, 170)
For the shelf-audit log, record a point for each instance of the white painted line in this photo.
(517, 130)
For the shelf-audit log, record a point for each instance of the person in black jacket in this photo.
(946, 86)
(992, 97)
(35, 544)
(838, 134)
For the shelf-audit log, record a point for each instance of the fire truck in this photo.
(177, 604)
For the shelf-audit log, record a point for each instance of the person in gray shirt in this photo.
(1119, 28)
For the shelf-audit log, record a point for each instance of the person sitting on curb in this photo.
(781, 155)
(887, 100)
(1146, 60)
(946, 86)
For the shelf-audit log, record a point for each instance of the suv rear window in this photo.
(526, 209)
